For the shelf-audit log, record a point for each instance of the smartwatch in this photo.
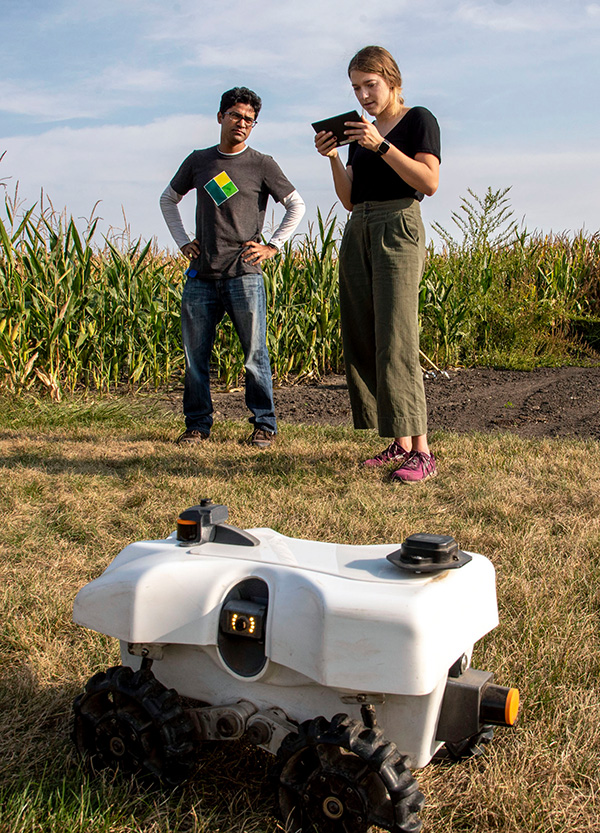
(383, 147)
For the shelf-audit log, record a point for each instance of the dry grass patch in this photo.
(74, 494)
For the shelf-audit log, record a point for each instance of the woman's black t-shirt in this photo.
(373, 179)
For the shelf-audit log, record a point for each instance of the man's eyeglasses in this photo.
(238, 118)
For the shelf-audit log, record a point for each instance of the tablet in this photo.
(336, 125)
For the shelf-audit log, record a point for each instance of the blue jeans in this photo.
(203, 305)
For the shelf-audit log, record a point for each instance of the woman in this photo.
(392, 163)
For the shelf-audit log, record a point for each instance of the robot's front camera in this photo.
(243, 618)
(243, 623)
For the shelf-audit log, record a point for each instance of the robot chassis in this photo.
(303, 648)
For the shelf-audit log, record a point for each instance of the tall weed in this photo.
(504, 296)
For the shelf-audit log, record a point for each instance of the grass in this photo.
(84, 477)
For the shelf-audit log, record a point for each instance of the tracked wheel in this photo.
(339, 776)
(128, 720)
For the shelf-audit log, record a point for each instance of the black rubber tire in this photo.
(128, 720)
(339, 776)
(471, 747)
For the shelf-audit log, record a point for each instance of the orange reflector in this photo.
(181, 521)
(511, 707)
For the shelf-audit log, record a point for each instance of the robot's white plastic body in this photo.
(266, 632)
(341, 620)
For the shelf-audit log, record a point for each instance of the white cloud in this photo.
(300, 37)
(77, 13)
(42, 104)
(536, 16)
(136, 80)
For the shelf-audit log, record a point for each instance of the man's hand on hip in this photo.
(191, 250)
(256, 253)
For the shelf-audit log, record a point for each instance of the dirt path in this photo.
(553, 402)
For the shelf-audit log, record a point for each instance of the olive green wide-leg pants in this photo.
(381, 262)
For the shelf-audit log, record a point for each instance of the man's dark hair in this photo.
(240, 95)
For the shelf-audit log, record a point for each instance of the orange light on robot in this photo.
(187, 530)
(511, 706)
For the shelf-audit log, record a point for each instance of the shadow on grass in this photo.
(224, 457)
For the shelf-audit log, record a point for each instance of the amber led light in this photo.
(243, 623)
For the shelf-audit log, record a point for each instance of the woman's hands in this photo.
(326, 144)
(364, 132)
(421, 173)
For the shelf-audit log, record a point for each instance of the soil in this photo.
(555, 402)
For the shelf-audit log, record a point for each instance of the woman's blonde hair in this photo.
(378, 60)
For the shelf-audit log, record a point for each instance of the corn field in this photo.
(75, 313)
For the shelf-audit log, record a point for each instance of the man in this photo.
(233, 183)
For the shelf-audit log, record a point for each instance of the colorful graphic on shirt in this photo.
(221, 188)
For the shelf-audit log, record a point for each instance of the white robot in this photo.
(350, 664)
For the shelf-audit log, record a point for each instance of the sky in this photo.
(101, 100)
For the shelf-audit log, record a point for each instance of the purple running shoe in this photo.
(418, 467)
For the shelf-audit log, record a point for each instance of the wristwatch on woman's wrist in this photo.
(383, 147)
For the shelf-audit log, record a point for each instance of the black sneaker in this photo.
(191, 435)
(261, 438)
